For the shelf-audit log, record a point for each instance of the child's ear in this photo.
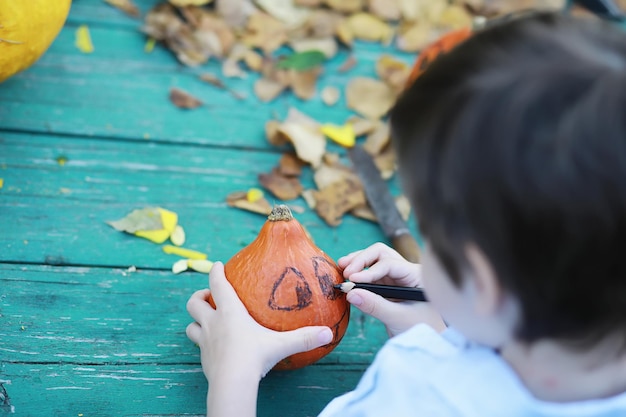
(489, 293)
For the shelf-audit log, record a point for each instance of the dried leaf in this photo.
(310, 145)
(455, 17)
(327, 174)
(273, 134)
(153, 223)
(282, 187)
(285, 11)
(253, 60)
(345, 6)
(333, 201)
(344, 33)
(386, 163)
(239, 200)
(321, 23)
(183, 100)
(368, 27)
(215, 81)
(366, 212)
(416, 37)
(296, 116)
(369, 97)
(289, 165)
(385, 9)
(404, 207)
(393, 71)
(309, 198)
(343, 135)
(422, 10)
(378, 139)
(363, 126)
(308, 3)
(330, 95)
(183, 252)
(1, 183)
(327, 46)
(127, 6)
(264, 32)
(83, 40)
(235, 12)
(303, 83)
(267, 90)
(348, 64)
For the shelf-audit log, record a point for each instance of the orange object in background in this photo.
(432, 51)
(27, 29)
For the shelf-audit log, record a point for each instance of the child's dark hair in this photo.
(516, 141)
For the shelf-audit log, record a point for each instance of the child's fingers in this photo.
(198, 307)
(345, 260)
(224, 295)
(398, 271)
(194, 332)
(369, 257)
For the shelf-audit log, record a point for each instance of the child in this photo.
(512, 149)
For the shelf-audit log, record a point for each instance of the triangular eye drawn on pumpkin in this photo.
(325, 278)
(292, 279)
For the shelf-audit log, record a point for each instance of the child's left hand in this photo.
(235, 349)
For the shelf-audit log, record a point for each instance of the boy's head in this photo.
(515, 141)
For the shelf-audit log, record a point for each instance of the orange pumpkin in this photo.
(286, 282)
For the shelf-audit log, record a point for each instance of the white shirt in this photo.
(426, 374)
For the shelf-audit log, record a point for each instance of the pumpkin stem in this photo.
(280, 212)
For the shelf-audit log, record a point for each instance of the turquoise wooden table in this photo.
(86, 138)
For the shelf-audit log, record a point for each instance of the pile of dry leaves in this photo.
(244, 35)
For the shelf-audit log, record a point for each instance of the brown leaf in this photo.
(365, 211)
(235, 12)
(378, 139)
(369, 97)
(321, 23)
(289, 165)
(333, 201)
(385, 9)
(215, 81)
(362, 126)
(267, 90)
(283, 188)
(127, 6)
(183, 100)
(368, 27)
(273, 134)
(303, 82)
(415, 37)
(393, 72)
(239, 199)
(327, 174)
(345, 6)
(253, 60)
(264, 32)
(386, 163)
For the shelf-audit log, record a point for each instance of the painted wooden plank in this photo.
(159, 390)
(120, 91)
(112, 316)
(56, 214)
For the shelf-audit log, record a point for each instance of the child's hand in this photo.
(380, 264)
(236, 351)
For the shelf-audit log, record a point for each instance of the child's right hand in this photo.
(380, 264)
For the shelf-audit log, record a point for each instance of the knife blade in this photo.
(382, 202)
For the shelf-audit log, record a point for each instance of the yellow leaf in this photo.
(343, 135)
(178, 236)
(149, 45)
(370, 28)
(83, 40)
(182, 252)
(169, 220)
(200, 265)
(1, 182)
(253, 195)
